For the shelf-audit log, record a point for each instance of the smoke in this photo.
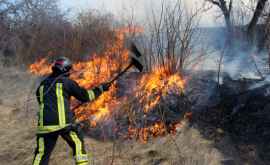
(237, 62)
(243, 64)
(235, 56)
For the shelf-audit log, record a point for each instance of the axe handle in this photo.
(77, 106)
(116, 77)
(121, 73)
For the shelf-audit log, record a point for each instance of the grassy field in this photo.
(18, 109)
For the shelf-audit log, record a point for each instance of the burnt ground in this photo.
(214, 136)
(239, 109)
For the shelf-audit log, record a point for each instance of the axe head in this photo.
(136, 63)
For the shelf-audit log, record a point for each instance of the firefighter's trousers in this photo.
(46, 143)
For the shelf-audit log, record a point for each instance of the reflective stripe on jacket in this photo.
(54, 95)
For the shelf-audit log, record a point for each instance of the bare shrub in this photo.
(32, 29)
(171, 32)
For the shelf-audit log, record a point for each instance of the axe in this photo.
(134, 62)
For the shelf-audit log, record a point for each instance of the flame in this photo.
(155, 130)
(143, 134)
(151, 88)
(88, 74)
(41, 67)
(156, 84)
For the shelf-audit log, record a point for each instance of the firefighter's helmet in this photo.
(62, 65)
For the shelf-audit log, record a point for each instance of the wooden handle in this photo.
(121, 73)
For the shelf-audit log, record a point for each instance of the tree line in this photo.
(32, 29)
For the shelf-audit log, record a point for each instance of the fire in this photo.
(98, 69)
(41, 67)
(159, 82)
(151, 87)
(155, 130)
(143, 134)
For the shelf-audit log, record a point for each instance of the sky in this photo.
(140, 8)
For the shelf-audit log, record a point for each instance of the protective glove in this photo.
(105, 86)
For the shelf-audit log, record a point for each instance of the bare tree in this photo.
(226, 9)
(266, 39)
(31, 29)
(171, 34)
(257, 13)
(8, 11)
(93, 32)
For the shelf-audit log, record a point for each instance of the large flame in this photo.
(88, 74)
(159, 82)
(103, 67)
(152, 87)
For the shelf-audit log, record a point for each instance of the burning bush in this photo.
(157, 106)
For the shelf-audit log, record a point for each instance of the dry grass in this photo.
(17, 139)
(187, 148)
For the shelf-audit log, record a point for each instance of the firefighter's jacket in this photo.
(53, 96)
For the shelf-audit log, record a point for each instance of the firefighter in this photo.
(55, 117)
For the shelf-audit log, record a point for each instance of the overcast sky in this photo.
(140, 7)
